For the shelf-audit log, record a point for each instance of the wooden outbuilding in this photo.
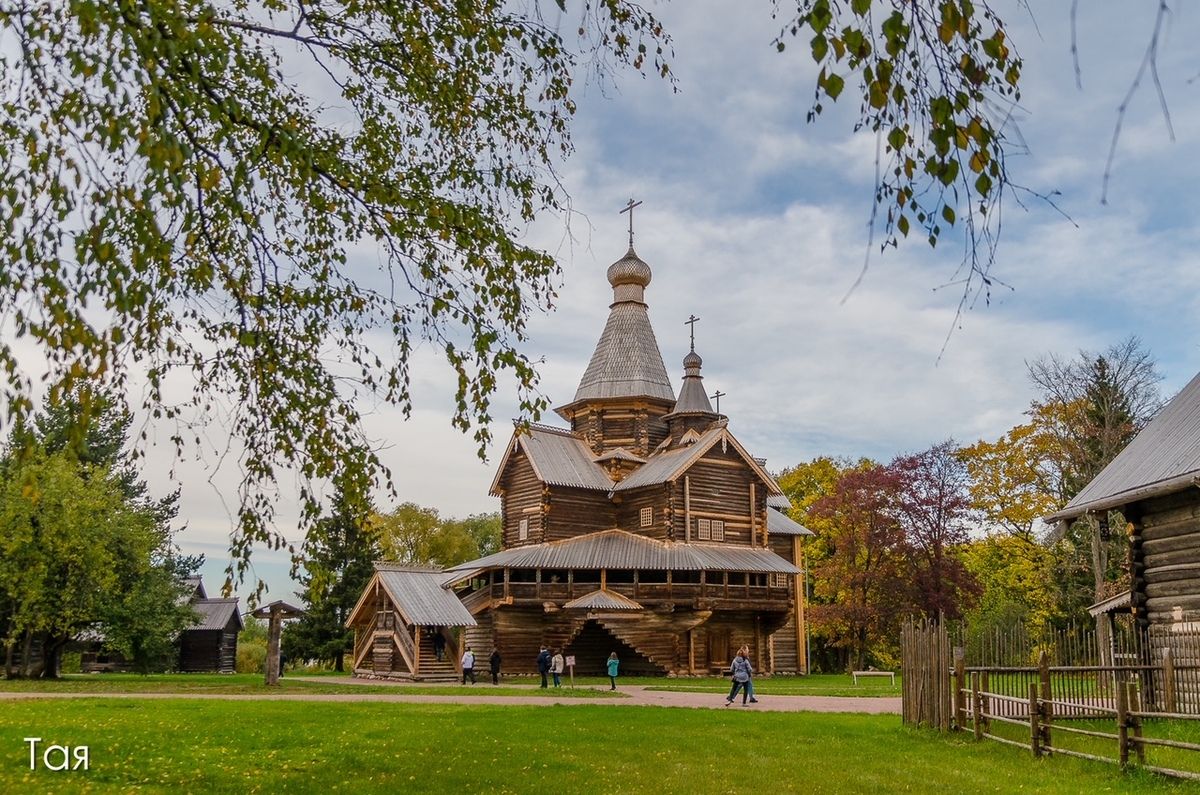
(643, 528)
(210, 645)
(1153, 483)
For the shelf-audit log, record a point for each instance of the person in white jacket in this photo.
(468, 665)
(557, 666)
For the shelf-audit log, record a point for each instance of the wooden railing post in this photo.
(976, 706)
(984, 680)
(1122, 724)
(960, 686)
(1136, 722)
(1169, 680)
(1035, 732)
(1047, 707)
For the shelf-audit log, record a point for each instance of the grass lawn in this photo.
(251, 684)
(222, 746)
(812, 685)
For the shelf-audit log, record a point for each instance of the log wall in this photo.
(718, 486)
(522, 500)
(1165, 553)
(572, 512)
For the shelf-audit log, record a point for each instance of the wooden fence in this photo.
(1072, 694)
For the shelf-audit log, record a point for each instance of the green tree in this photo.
(417, 535)
(182, 183)
(339, 557)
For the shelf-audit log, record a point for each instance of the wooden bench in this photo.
(891, 674)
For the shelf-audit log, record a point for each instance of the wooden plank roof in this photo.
(215, 613)
(419, 594)
(626, 361)
(779, 523)
(618, 549)
(669, 465)
(1163, 458)
(558, 457)
(602, 599)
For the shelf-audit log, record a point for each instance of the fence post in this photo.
(1123, 723)
(1136, 722)
(1035, 732)
(1047, 707)
(984, 679)
(976, 705)
(960, 685)
(1169, 680)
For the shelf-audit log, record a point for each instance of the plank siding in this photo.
(719, 488)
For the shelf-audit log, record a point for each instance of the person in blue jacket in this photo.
(543, 664)
(614, 666)
(741, 670)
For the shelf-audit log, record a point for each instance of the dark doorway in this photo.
(594, 643)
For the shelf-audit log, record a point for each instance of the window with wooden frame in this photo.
(718, 530)
(703, 529)
(523, 530)
(647, 516)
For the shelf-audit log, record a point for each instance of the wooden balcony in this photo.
(646, 593)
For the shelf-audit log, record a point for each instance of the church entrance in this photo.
(592, 646)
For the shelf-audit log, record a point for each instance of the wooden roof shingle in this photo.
(1163, 458)
(558, 457)
(603, 600)
(779, 523)
(419, 594)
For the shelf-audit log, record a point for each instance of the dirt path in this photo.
(634, 696)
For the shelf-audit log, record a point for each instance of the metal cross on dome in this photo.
(718, 397)
(629, 209)
(691, 321)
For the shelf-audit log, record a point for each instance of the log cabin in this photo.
(1152, 484)
(641, 527)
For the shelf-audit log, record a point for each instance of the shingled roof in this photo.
(602, 600)
(215, 613)
(419, 594)
(1163, 458)
(558, 457)
(618, 549)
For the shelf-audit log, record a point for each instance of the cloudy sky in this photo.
(756, 222)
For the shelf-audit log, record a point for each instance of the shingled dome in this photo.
(627, 361)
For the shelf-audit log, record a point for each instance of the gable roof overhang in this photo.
(670, 465)
(420, 595)
(779, 523)
(1163, 458)
(558, 457)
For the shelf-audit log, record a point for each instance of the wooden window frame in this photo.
(717, 529)
(523, 530)
(647, 516)
(703, 529)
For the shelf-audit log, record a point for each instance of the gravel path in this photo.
(634, 696)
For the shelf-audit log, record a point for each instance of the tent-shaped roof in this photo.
(779, 523)
(602, 600)
(419, 594)
(558, 457)
(1163, 458)
(618, 549)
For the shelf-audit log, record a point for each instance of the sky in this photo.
(756, 221)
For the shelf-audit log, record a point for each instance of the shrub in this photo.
(251, 657)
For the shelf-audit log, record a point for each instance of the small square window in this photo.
(647, 517)
(718, 530)
(523, 530)
(703, 529)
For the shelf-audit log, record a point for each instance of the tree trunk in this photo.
(1099, 569)
(8, 658)
(338, 665)
(26, 654)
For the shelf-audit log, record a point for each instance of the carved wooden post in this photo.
(274, 630)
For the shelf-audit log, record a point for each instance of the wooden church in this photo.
(643, 528)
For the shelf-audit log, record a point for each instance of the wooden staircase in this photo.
(448, 670)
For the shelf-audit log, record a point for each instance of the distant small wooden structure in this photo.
(210, 645)
(275, 613)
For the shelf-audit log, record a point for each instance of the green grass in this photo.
(252, 684)
(271, 746)
(812, 685)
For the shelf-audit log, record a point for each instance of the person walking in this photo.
(468, 665)
(614, 667)
(494, 664)
(543, 664)
(750, 682)
(439, 643)
(741, 670)
(557, 666)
